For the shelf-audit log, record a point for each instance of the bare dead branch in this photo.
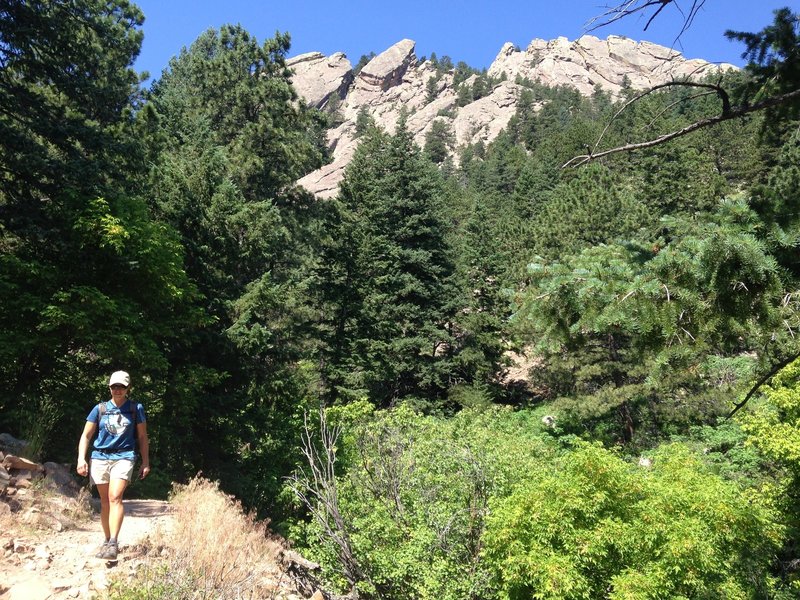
(772, 372)
(624, 9)
(689, 19)
(317, 490)
(719, 90)
(632, 7)
(655, 14)
(732, 113)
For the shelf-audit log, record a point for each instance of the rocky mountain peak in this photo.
(388, 68)
(589, 61)
(396, 79)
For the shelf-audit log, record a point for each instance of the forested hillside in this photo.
(339, 364)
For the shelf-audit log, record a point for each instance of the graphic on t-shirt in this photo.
(116, 424)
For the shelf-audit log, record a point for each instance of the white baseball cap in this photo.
(120, 378)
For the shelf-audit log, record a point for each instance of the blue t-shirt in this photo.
(116, 438)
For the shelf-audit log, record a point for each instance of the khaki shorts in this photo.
(103, 471)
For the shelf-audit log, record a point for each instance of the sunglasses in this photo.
(118, 386)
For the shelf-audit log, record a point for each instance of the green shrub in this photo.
(415, 496)
(592, 526)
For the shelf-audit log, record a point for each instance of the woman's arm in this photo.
(144, 449)
(83, 447)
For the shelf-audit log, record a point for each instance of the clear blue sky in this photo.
(469, 30)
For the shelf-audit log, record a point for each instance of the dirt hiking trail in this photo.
(40, 565)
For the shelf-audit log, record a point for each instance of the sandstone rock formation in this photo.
(396, 80)
(317, 78)
(589, 62)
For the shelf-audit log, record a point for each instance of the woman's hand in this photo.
(83, 468)
(144, 472)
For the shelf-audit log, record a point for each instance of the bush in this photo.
(592, 526)
(415, 497)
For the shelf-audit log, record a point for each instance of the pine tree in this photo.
(588, 210)
(439, 141)
(391, 341)
(229, 138)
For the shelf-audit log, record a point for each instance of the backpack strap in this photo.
(101, 410)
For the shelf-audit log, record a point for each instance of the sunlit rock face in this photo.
(396, 80)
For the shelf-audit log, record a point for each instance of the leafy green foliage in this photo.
(416, 492)
(724, 450)
(88, 280)
(483, 504)
(773, 428)
(591, 526)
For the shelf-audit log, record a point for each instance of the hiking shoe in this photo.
(101, 551)
(110, 552)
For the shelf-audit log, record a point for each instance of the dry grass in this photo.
(214, 550)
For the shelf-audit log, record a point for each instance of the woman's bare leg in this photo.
(116, 511)
(102, 489)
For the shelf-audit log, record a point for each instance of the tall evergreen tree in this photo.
(229, 138)
(88, 282)
(391, 338)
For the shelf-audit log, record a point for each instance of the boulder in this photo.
(13, 462)
(21, 482)
(8, 443)
(317, 78)
(388, 68)
(16, 462)
(59, 478)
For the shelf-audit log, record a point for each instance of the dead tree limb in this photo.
(631, 7)
(717, 89)
(772, 372)
(733, 113)
(317, 489)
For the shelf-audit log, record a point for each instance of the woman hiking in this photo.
(120, 424)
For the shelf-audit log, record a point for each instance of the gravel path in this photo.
(60, 564)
